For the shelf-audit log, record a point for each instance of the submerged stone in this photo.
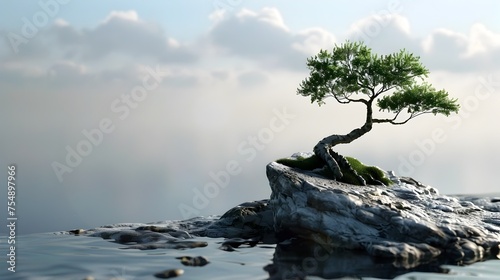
(193, 261)
(170, 273)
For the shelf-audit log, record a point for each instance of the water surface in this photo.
(66, 256)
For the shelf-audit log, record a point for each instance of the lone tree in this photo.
(351, 73)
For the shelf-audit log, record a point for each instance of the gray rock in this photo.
(408, 221)
(247, 220)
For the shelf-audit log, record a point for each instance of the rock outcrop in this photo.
(247, 220)
(407, 222)
(331, 229)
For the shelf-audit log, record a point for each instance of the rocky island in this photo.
(324, 227)
(329, 208)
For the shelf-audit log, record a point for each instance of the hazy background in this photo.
(226, 68)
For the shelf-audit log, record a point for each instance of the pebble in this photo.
(237, 242)
(170, 273)
(196, 261)
(227, 248)
(77, 231)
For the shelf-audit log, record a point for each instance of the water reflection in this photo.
(300, 258)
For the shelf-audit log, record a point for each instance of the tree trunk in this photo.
(335, 161)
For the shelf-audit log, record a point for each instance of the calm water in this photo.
(63, 256)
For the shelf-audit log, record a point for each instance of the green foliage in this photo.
(352, 73)
(417, 99)
(372, 174)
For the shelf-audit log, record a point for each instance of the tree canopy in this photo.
(351, 73)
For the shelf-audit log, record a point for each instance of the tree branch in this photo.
(341, 101)
(383, 89)
(393, 120)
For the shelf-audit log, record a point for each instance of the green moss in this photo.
(349, 178)
(303, 163)
(372, 174)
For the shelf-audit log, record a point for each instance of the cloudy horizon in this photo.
(155, 111)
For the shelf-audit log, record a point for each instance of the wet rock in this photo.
(179, 245)
(77, 231)
(227, 248)
(150, 237)
(299, 259)
(170, 273)
(128, 236)
(407, 221)
(188, 244)
(181, 234)
(171, 232)
(237, 242)
(247, 220)
(193, 261)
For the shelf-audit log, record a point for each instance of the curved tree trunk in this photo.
(335, 161)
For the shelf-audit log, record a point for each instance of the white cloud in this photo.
(444, 49)
(67, 69)
(383, 33)
(124, 32)
(444, 40)
(482, 40)
(263, 37)
(119, 33)
(309, 41)
(452, 51)
(125, 15)
(271, 16)
(373, 25)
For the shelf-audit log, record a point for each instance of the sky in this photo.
(128, 111)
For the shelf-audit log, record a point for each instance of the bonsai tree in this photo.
(394, 83)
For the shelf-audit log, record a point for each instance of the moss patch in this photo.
(309, 163)
(372, 174)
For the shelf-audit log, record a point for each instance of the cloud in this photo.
(125, 33)
(113, 50)
(264, 37)
(457, 52)
(482, 40)
(384, 33)
(67, 69)
(120, 33)
(442, 49)
(311, 40)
